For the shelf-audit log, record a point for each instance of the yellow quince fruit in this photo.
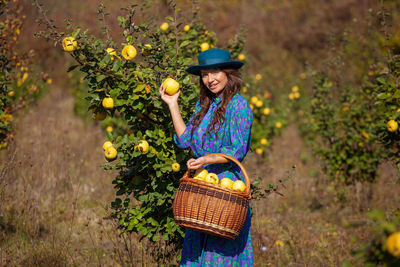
(266, 111)
(143, 146)
(164, 26)
(226, 182)
(254, 99)
(69, 44)
(146, 50)
(392, 126)
(393, 244)
(176, 167)
(129, 52)
(171, 86)
(238, 185)
(212, 178)
(108, 103)
(110, 153)
(204, 47)
(200, 174)
(111, 51)
(106, 145)
(264, 141)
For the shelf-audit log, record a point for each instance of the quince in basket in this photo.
(212, 178)
(238, 185)
(200, 174)
(226, 182)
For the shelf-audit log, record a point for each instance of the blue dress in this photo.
(233, 139)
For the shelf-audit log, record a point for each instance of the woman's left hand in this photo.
(194, 164)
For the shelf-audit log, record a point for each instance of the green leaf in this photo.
(116, 65)
(187, 80)
(184, 43)
(120, 102)
(165, 237)
(109, 136)
(121, 19)
(131, 225)
(100, 77)
(377, 215)
(71, 68)
(95, 97)
(396, 94)
(107, 59)
(381, 80)
(382, 96)
(139, 87)
(188, 61)
(156, 238)
(114, 92)
(76, 32)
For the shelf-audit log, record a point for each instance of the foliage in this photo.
(18, 83)
(384, 90)
(376, 253)
(342, 131)
(270, 114)
(347, 120)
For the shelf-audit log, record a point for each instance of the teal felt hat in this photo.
(214, 58)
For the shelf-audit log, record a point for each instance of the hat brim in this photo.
(195, 70)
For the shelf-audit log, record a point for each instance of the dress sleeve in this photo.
(240, 123)
(184, 141)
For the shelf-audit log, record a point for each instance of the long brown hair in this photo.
(206, 96)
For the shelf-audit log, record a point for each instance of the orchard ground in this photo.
(57, 197)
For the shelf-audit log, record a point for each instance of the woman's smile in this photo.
(213, 85)
(214, 79)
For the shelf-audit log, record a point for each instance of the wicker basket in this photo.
(211, 208)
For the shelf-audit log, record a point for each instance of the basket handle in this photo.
(246, 176)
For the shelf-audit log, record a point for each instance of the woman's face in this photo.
(214, 79)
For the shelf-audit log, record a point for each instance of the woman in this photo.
(221, 123)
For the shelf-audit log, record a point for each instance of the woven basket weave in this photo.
(211, 208)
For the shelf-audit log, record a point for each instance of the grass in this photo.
(315, 228)
(56, 194)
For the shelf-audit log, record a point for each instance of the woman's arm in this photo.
(177, 120)
(172, 102)
(199, 162)
(216, 159)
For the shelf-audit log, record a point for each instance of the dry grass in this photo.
(56, 194)
(315, 228)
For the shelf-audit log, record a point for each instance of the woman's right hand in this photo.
(169, 99)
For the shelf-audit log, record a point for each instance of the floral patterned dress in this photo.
(233, 139)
